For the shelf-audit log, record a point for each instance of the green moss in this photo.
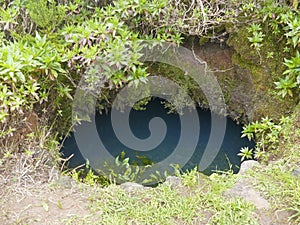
(203, 40)
(187, 84)
(263, 68)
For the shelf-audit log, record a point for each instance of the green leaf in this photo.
(45, 206)
(21, 76)
(5, 71)
(295, 40)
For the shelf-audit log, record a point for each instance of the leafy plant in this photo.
(28, 68)
(190, 178)
(257, 36)
(122, 170)
(282, 23)
(246, 153)
(292, 79)
(285, 86)
(293, 31)
(88, 176)
(266, 133)
(46, 14)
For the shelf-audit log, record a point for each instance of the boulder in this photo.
(248, 165)
(132, 187)
(173, 181)
(244, 190)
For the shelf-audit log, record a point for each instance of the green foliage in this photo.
(266, 133)
(28, 68)
(294, 66)
(282, 23)
(277, 182)
(246, 153)
(285, 86)
(81, 33)
(292, 30)
(48, 46)
(88, 176)
(45, 14)
(191, 178)
(125, 171)
(292, 78)
(257, 36)
(200, 203)
(122, 171)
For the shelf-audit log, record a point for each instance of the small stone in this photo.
(131, 187)
(244, 190)
(65, 181)
(173, 181)
(296, 172)
(248, 165)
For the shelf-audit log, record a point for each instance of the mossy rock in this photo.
(259, 71)
(245, 76)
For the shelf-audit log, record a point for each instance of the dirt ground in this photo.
(32, 192)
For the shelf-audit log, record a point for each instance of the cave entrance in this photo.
(139, 120)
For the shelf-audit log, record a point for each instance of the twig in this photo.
(221, 71)
(64, 162)
(198, 60)
(202, 11)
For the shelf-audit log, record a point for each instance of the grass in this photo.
(280, 187)
(276, 180)
(198, 202)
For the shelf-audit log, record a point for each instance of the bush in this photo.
(48, 46)
(266, 133)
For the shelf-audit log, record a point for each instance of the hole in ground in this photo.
(226, 158)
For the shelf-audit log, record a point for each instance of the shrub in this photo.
(266, 133)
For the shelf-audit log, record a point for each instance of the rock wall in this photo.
(245, 75)
(257, 72)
